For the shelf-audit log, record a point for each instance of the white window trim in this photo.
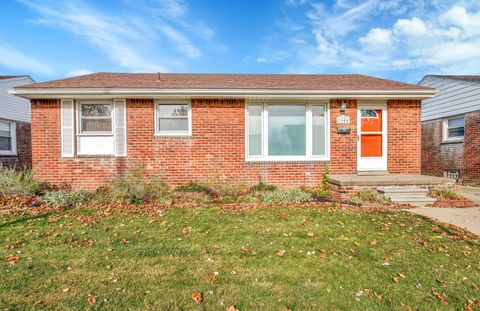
(13, 135)
(308, 157)
(445, 130)
(79, 116)
(173, 133)
(78, 133)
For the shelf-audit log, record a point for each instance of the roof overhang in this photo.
(86, 93)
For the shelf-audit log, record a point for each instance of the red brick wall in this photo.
(215, 151)
(462, 156)
(404, 136)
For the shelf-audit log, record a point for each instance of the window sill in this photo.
(452, 141)
(94, 156)
(8, 154)
(286, 160)
(163, 135)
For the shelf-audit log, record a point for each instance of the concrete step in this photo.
(407, 195)
(372, 173)
(416, 201)
(400, 189)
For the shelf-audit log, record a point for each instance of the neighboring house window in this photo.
(95, 127)
(7, 138)
(454, 128)
(287, 131)
(173, 118)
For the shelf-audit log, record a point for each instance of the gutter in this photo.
(77, 93)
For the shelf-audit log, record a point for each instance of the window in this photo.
(7, 138)
(369, 114)
(95, 127)
(287, 131)
(454, 129)
(173, 118)
(96, 118)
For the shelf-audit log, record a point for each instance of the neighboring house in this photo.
(279, 129)
(15, 143)
(451, 127)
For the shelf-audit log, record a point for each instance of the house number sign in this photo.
(343, 119)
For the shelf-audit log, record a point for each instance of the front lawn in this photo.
(259, 259)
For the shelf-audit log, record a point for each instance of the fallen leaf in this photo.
(310, 234)
(212, 278)
(91, 300)
(357, 244)
(440, 297)
(245, 250)
(281, 253)
(232, 308)
(197, 297)
(373, 242)
(12, 260)
(125, 241)
(66, 290)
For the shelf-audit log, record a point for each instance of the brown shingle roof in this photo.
(227, 81)
(8, 77)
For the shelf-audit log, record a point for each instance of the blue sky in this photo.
(395, 39)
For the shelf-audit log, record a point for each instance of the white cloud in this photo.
(16, 60)
(78, 72)
(144, 36)
(410, 27)
(377, 37)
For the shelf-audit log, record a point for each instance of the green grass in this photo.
(395, 259)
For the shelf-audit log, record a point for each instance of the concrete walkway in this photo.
(471, 193)
(467, 218)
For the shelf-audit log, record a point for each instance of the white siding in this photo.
(453, 97)
(13, 107)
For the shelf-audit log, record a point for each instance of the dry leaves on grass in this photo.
(197, 297)
(91, 300)
(12, 260)
(281, 253)
(440, 297)
(232, 308)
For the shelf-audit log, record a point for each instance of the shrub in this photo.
(17, 182)
(263, 187)
(369, 196)
(226, 189)
(192, 187)
(133, 188)
(325, 186)
(62, 198)
(286, 196)
(444, 193)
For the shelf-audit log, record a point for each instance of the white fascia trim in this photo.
(247, 93)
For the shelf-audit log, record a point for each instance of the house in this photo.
(451, 127)
(279, 129)
(15, 147)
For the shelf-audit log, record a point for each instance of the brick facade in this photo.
(437, 156)
(216, 149)
(23, 159)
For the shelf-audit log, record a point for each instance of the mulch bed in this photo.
(21, 204)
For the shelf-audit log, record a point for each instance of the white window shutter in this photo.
(120, 127)
(67, 124)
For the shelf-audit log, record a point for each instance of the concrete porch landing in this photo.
(352, 180)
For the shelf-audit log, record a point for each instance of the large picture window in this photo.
(277, 131)
(7, 137)
(173, 118)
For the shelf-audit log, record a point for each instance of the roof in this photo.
(8, 77)
(464, 78)
(227, 81)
